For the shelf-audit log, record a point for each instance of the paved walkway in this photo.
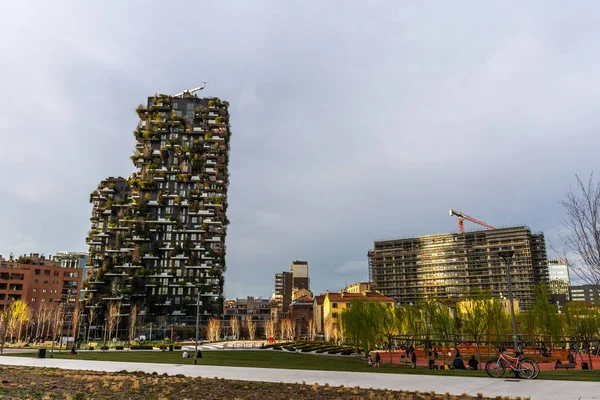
(535, 389)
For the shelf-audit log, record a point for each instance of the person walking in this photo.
(413, 359)
(377, 359)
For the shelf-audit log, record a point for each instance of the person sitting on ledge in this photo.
(458, 363)
(185, 354)
(73, 350)
(473, 363)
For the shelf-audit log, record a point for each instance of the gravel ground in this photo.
(50, 383)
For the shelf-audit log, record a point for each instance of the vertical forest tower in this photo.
(158, 238)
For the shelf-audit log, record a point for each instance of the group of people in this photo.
(377, 360)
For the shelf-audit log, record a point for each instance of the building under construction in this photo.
(450, 266)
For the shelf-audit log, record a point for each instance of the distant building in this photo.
(250, 308)
(358, 287)
(450, 266)
(41, 283)
(297, 293)
(333, 304)
(71, 259)
(559, 280)
(588, 293)
(283, 290)
(300, 278)
(301, 312)
(286, 282)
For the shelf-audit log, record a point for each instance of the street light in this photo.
(197, 322)
(150, 332)
(506, 256)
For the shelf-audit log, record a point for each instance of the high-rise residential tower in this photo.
(158, 237)
(451, 266)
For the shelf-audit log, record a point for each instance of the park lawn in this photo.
(288, 360)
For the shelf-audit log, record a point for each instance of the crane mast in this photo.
(462, 217)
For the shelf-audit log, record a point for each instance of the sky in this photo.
(351, 121)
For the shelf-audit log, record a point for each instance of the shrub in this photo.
(277, 348)
(118, 347)
(141, 347)
(91, 348)
(104, 348)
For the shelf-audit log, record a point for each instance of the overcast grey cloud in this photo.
(351, 121)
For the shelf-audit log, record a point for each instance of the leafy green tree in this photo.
(362, 324)
(584, 324)
(389, 324)
(547, 320)
(477, 314)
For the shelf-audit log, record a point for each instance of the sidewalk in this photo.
(535, 389)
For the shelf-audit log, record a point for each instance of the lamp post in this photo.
(506, 256)
(150, 332)
(197, 322)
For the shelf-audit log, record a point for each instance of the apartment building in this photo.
(37, 280)
(329, 306)
(587, 293)
(450, 266)
(250, 308)
(158, 237)
(286, 283)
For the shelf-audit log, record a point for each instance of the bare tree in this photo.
(270, 328)
(4, 318)
(582, 206)
(312, 329)
(234, 324)
(251, 328)
(214, 329)
(132, 322)
(76, 314)
(92, 312)
(113, 316)
(283, 328)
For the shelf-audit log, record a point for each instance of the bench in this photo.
(405, 361)
(565, 366)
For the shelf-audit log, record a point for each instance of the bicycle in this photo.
(525, 368)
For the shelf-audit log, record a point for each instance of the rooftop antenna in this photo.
(188, 93)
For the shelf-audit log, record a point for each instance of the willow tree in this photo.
(361, 324)
(390, 324)
(584, 324)
(477, 314)
(548, 322)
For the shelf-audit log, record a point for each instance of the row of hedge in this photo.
(139, 347)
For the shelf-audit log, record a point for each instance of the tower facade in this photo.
(158, 238)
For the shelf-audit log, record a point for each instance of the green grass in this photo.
(285, 360)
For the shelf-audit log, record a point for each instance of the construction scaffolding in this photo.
(450, 266)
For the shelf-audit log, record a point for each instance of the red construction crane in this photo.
(461, 217)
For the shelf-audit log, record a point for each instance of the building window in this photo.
(334, 315)
(38, 272)
(47, 272)
(334, 305)
(43, 290)
(33, 299)
(34, 290)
